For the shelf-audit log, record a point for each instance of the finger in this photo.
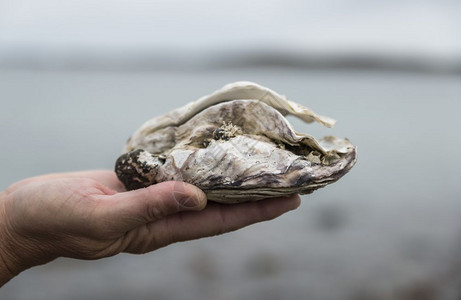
(215, 219)
(104, 177)
(128, 210)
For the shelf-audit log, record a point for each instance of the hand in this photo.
(89, 215)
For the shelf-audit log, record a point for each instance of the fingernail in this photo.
(193, 198)
(295, 201)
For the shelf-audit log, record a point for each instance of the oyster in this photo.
(236, 145)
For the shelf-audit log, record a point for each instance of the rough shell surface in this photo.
(236, 145)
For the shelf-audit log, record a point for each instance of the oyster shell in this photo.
(236, 145)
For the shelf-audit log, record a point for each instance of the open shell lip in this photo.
(239, 90)
(235, 150)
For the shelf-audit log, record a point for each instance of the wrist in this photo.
(6, 271)
(16, 252)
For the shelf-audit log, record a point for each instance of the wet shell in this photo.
(236, 145)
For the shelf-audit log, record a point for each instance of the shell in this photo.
(236, 145)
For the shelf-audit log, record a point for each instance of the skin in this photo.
(89, 215)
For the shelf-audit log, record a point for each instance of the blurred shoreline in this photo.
(145, 61)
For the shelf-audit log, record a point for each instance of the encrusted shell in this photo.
(236, 145)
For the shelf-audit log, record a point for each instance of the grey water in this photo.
(390, 229)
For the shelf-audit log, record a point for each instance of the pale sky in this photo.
(426, 28)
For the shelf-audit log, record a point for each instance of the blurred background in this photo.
(78, 77)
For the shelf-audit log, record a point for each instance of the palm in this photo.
(66, 207)
(89, 215)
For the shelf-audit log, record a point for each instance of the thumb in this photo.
(131, 209)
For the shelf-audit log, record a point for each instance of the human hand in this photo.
(89, 215)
